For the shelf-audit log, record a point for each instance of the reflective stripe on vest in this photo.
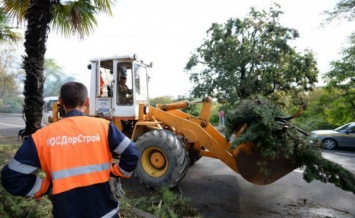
(122, 146)
(74, 152)
(111, 213)
(80, 170)
(21, 168)
(27, 169)
(36, 188)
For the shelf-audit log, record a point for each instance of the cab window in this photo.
(124, 85)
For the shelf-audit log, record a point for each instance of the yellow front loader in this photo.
(169, 140)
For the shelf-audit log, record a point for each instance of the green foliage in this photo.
(214, 120)
(313, 116)
(6, 33)
(248, 57)
(12, 206)
(341, 84)
(323, 109)
(161, 100)
(343, 9)
(164, 204)
(341, 109)
(260, 115)
(78, 17)
(11, 105)
(69, 17)
(325, 171)
(274, 136)
(10, 79)
(54, 78)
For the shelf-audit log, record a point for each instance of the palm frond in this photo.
(16, 8)
(6, 33)
(78, 17)
(104, 5)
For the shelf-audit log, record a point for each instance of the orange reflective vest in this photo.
(74, 152)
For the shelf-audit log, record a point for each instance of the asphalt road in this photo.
(10, 124)
(217, 191)
(221, 192)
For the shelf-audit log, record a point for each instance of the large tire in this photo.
(163, 159)
(330, 144)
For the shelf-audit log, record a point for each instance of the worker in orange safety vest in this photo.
(75, 154)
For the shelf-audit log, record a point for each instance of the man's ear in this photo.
(60, 100)
(86, 103)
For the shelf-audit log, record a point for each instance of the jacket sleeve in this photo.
(123, 146)
(19, 177)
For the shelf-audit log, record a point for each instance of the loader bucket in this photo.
(270, 156)
(251, 165)
(256, 169)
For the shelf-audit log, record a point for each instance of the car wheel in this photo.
(329, 143)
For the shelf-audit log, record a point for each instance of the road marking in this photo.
(11, 125)
(4, 114)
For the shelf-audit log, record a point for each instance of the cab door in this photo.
(124, 110)
(137, 82)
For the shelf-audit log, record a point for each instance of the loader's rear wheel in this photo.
(163, 159)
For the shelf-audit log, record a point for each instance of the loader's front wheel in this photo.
(163, 159)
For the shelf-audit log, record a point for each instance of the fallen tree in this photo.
(274, 136)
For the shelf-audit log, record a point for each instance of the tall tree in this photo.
(344, 9)
(6, 31)
(10, 78)
(250, 56)
(54, 78)
(341, 80)
(69, 17)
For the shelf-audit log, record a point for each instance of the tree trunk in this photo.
(38, 17)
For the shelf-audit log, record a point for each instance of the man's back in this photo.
(78, 159)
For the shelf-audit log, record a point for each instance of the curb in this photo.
(142, 213)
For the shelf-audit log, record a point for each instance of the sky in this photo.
(167, 32)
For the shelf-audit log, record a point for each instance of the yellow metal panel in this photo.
(195, 133)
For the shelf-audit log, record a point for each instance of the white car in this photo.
(343, 136)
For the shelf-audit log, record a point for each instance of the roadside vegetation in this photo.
(164, 203)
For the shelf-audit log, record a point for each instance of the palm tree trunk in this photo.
(38, 17)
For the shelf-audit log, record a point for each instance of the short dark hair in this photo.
(73, 94)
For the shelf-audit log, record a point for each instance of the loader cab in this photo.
(118, 86)
(48, 109)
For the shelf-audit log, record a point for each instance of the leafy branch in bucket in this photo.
(274, 136)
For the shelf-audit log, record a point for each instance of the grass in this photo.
(163, 203)
(12, 206)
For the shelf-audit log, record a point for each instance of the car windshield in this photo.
(343, 127)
